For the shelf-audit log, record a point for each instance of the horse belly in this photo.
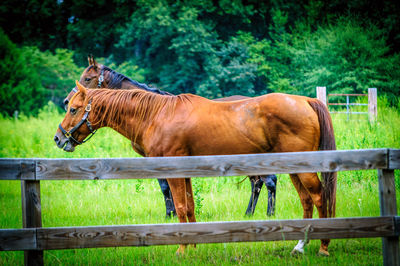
(227, 138)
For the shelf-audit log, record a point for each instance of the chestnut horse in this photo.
(100, 76)
(186, 124)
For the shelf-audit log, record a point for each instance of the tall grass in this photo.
(109, 202)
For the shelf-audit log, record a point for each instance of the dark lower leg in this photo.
(271, 203)
(169, 203)
(270, 182)
(256, 185)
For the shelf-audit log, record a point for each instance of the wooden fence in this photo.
(372, 102)
(33, 239)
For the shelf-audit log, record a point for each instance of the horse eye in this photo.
(72, 110)
(87, 79)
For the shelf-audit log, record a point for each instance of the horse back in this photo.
(269, 123)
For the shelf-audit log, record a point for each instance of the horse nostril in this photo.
(56, 139)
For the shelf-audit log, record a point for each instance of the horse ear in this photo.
(94, 62)
(89, 59)
(81, 88)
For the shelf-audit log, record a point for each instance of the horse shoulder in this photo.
(167, 133)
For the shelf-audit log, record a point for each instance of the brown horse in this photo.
(184, 125)
(100, 76)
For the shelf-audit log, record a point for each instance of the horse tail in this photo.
(326, 142)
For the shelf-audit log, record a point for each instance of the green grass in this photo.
(119, 202)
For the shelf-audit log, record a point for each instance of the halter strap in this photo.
(101, 78)
(100, 81)
(68, 134)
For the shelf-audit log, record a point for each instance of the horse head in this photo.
(100, 76)
(76, 126)
(92, 77)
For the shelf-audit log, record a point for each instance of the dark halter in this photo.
(68, 134)
(101, 79)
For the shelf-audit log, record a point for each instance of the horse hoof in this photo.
(323, 253)
(299, 248)
(297, 252)
(180, 251)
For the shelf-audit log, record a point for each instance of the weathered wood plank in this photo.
(213, 232)
(199, 166)
(321, 94)
(31, 206)
(387, 202)
(372, 104)
(31, 216)
(387, 192)
(17, 239)
(16, 169)
(394, 159)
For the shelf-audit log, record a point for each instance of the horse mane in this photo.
(115, 80)
(141, 105)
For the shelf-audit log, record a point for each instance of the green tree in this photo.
(171, 42)
(183, 51)
(229, 72)
(273, 56)
(20, 86)
(56, 71)
(347, 57)
(30, 78)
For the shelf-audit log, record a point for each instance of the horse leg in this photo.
(178, 189)
(271, 202)
(307, 204)
(313, 186)
(169, 203)
(190, 203)
(270, 182)
(256, 185)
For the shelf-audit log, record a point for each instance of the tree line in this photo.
(210, 48)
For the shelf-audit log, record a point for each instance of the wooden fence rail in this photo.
(210, 232)
(197, 166)
(33, 239)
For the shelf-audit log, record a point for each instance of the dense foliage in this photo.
(211, 48)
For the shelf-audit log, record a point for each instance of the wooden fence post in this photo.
(321, 94)
(31, 208)
(372, 104)
(387, 202)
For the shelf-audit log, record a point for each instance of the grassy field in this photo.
(119, 202)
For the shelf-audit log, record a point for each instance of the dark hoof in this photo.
(170, 215)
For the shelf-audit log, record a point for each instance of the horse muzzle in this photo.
(63, 143)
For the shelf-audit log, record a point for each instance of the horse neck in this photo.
(131, 116)
(115, 80)
(127, 85)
